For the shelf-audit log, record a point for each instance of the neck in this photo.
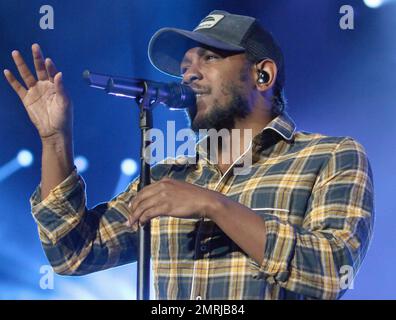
(242, 134)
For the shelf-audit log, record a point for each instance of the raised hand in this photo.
(44, 98)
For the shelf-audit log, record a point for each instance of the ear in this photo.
(268, 66)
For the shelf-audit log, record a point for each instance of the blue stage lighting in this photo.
(129, 167)
(373, 3)
(81, 163)
(25, 158)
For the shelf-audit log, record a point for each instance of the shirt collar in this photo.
(282, 125)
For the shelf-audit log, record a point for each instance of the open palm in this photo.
(45, 99)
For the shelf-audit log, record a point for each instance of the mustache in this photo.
(200, 89)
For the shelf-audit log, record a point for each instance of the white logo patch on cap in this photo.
(210, 21)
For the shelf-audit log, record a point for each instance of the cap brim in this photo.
(168, 46)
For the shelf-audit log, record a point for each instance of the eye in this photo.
(211, 57)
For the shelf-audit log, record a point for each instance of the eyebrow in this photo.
(201, 52)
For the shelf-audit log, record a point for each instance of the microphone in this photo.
(174, 95)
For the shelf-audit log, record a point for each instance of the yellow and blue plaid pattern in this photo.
(314, 192)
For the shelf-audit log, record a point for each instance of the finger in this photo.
(23, 69)
(15, 84)
(141, 196)
(151, 214)
(51, 69)
(142, 208)
(149, 191)
(129, 223)
(60, 89)
(39, 63)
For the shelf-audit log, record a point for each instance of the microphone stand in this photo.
(144, 233)
(145, 93)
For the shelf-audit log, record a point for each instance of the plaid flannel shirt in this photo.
(314, 192)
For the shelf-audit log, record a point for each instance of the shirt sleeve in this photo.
(320, 258)
(77, 240)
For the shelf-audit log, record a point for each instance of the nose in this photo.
(191, 75)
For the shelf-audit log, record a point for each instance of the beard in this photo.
(223, 116)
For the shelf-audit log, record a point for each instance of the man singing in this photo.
(295, 225)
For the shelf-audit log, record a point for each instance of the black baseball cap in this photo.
(221, 30)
